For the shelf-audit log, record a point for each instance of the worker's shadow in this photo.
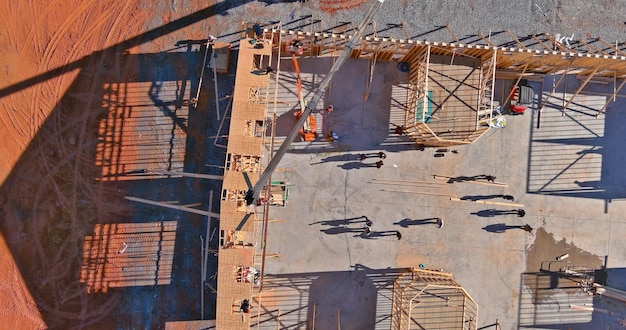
(500, 228)
(356, 165)
(405, 223)
(342, 222)
(492, 213)
(340, 230)
(461, 179)
(378, 234)
(338, 158)
(479, 197)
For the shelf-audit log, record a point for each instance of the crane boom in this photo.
(253, 194)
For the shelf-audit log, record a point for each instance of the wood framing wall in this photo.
(536, 54)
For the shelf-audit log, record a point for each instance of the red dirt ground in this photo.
(48, 128)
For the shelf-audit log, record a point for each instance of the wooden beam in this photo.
(406, 33)
(425, 101)
(452, 33)
(371, 72)
(612, 98)
(543, 104)
(541, 42)
(558, 44)
(519, 43)
(508, 98)
(415, 192)
(580, 88)
(592, 47)
(486, 40)
(617, 50)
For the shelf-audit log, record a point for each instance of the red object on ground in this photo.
(518, 109)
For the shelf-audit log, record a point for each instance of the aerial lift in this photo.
(252, 195)
(307, 131)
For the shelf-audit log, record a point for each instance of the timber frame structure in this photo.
(449, 98)
(428, 299)
(450, 95)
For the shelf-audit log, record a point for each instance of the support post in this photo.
(612, 98)
(425, 102)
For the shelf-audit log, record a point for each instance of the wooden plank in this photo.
(415, 192)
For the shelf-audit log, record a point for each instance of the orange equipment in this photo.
(308, 130)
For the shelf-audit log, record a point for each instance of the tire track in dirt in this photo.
(37, 19)
(76, 155)
(47, 57)
(94, 86)
(11, 117)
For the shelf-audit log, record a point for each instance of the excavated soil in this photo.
(91, 92)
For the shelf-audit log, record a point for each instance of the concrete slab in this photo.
(485, 250)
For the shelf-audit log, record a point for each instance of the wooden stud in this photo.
(612, 98)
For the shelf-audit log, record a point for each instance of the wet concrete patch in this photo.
(546, 249)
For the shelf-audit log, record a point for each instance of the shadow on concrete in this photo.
(405, 223)
(480, 197)
(501, 227)
(356, 165)
(357, 299)
(343, 222)
(586, 158)
(379, 234)
(463, 178)
(493, 212)
(360, 125)
(338, 158)
(569, 297)
(341, 230)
